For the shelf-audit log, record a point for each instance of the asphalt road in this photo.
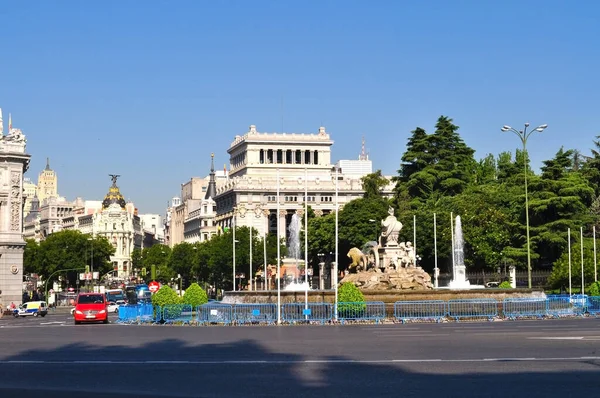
(549, 358)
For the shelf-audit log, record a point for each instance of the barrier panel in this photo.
(313, 312)
(513, 308)
(128, 314)
(214, 313)
(146, 313)
(177, 313)
(255, 313)
(472, 308)
(565, 305)
(593, 305)
(423, 310)
(361, 311)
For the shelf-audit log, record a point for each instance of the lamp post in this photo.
(523, 136)
(337, 211)
(92, 261)
(233, 243)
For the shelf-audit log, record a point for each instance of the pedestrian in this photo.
(1, 305)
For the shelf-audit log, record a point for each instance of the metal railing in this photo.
(373, 311)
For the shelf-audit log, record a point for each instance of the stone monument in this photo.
(387, 264)
(14, 162)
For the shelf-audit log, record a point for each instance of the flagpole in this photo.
(436, 271)
(278, 257)
(569, 245)
(415, 239)
(595, 263)
(452, 237)
(306, 242)
(582, 272)
(337, 211)
(233, 225)
(251, 274)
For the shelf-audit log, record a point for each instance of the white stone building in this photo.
(263, 162)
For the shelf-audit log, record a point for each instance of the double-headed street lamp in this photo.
(523, 136)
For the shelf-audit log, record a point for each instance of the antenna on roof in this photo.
(363, 153)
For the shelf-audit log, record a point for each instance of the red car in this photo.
(90, 307)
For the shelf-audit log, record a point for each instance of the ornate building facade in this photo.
(47, 183)
(118, 222)
(14, 162)
(263, 163)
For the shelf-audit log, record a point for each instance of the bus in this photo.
(115, 295)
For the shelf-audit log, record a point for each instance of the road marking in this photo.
(559, 338)
(52, 323)
(307, 361)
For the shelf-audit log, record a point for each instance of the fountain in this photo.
(459, 275)
(291, 263)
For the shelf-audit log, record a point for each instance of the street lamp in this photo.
(92, 261)
(523, 136)
(337, 211)
(233, 241)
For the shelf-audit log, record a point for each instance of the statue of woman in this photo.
(391, 228)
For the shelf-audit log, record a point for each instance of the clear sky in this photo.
(148, 89)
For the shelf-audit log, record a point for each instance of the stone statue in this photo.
(16, 136)
(390, 228)
(359, 260)
(410, 255)
(113, 178)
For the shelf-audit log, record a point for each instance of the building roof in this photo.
(114, 196)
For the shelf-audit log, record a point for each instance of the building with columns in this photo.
(263, 163)
(29, 192)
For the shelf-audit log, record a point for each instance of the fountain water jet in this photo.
(459, 275)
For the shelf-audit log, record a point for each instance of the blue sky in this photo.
(148, 89)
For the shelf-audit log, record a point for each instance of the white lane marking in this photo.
(52, 323)
(307, 361)
(392, 334)
(558, 338)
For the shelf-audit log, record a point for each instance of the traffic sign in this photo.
(153, 286)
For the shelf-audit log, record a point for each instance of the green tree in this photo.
(158, 255)
(182, 260)
(31, 263)
(71, 249)
(165, 296)
(195, 295)
(373, 185)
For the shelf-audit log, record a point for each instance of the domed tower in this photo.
(114, 195)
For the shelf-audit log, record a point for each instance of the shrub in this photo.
(505, 285)
(195, 295)
(594, 289)
(348, 293)
(165, 296)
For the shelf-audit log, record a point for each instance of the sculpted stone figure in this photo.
(390, 228)
(359, 260)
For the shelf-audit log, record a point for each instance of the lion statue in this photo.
(359, 260)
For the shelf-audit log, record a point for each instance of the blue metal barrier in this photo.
(472, 308)
(255, 313)
(593, 305)
(214, 313)
(361, 311)
(564, 305)
(177, 313)
(521, 307)
(422, 310)
(145, 313)
(312, 312)
(128, 314)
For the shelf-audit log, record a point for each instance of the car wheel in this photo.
(16, 315)
(105, 321)
(77, 322)
(43, 315)
(35, 314)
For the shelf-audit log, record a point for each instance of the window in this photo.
(288, 156)
(205, 209)
(261, 156)
(279, 156)
(309, 198)
(326, 199)
(306, 157)
(272, 198)
(291, 198)
(316, 157)
(298, 159)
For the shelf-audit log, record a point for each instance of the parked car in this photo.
(114, 306)
(33, 308)
(91, 307)
(492, 284)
